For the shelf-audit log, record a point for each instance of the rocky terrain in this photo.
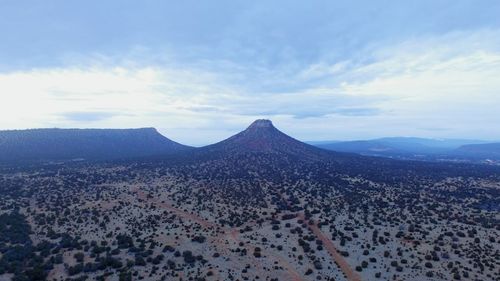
(257, 206)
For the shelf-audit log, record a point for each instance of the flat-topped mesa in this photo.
(39, 145)
(260, 128)
(261, 123)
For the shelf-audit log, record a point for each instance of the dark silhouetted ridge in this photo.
(86, 144)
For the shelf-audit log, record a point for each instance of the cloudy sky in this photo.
(200, 71)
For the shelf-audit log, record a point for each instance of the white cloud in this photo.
(433, 88)
(42, 97)
(438, 86)
(444, 86)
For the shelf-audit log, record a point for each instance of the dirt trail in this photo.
(350, 274)
(231, 232)
(204, 223)
(292, 272)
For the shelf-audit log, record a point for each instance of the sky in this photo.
(200, 71)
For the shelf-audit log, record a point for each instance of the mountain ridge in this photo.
(260, 137)
(54, 144)
(491, 150)
(409, 148)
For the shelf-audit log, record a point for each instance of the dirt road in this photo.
(350, 274)
(232, 233)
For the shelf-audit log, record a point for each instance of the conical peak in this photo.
(261, 123)
(262, 137)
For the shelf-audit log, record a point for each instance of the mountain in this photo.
(487, 150)
(262, 137)
(261, 152)
(401, 147)
(87, 144)
(242, 166)
(361, 147)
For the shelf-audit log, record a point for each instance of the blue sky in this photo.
(200, 71)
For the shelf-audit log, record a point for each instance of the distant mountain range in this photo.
(261, 136)
(83, 144)
(486, 150)
(419, 148)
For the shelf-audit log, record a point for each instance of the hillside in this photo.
(87, 144)
(262, 153)
(487, 150)
(262, 137)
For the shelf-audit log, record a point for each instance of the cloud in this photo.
(79, 116)
(435, 129)
(358, 111)
(447, 81)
